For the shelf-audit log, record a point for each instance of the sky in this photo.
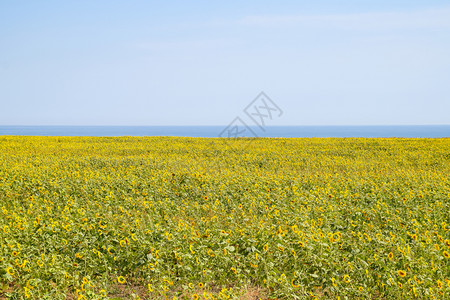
(323, 62)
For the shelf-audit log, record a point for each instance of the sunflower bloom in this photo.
(347, 278)
(121, 279)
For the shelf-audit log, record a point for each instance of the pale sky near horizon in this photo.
(322, 62)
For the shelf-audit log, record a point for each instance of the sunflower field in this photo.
(205, 218)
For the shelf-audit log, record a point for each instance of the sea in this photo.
(407, 131)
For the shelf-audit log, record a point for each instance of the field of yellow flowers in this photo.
(199, 218)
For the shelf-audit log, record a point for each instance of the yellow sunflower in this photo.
(121, 279)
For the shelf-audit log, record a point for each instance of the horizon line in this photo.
(305, 125)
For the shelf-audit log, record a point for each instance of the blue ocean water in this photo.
(416, 131)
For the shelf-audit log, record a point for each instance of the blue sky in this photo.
(201, 62)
